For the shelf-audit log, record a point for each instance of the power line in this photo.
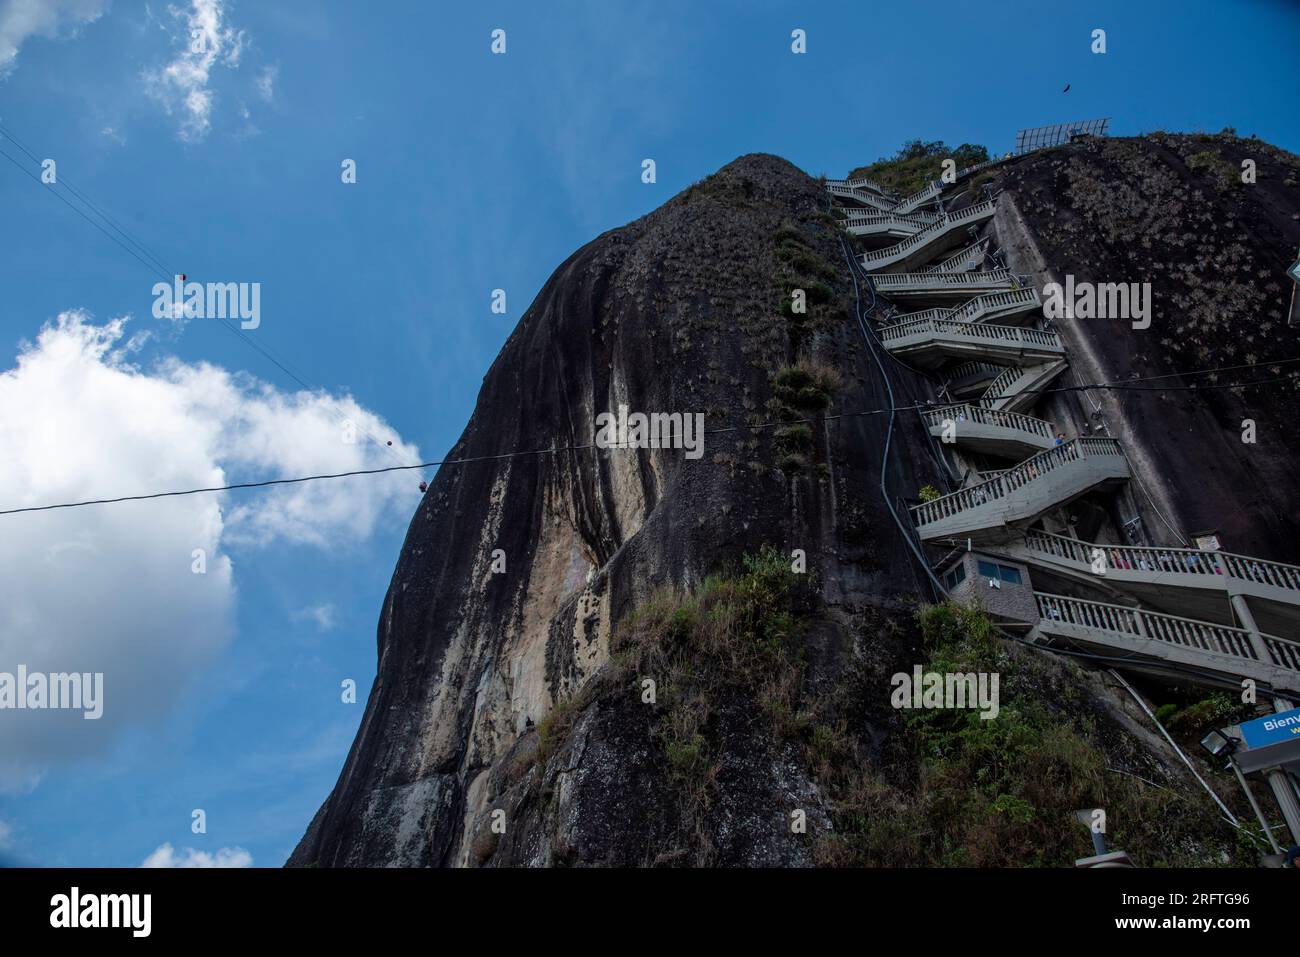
(400, 468)
(79, 212)
(564, 448)
(1123, 385)
(67, 184)
(157, 266)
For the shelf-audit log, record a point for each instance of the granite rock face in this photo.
(516, 569)
(1172, 210)
(676, 312)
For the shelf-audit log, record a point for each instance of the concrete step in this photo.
(992, 510)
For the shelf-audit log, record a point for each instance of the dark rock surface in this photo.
(1172, 210)
(682, 311)
(678, 311)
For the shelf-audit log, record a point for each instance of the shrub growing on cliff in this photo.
(1002, 792)
(802, 262)
(554, 728)
(816, 293)
(1210, 163)
(724, 187)
(806, 385)
(792, 439)
(729, 644)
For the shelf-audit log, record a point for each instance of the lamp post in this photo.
(1218, 745)
(1094, 820)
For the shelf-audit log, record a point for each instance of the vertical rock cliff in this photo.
(535, 593)
(1172, 210)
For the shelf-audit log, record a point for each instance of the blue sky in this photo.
(475, 172)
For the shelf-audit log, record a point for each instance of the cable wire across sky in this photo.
(268, 483)
(151, 261)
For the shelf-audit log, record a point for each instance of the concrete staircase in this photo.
(1006, 434)
(990, 511)
(1187, 580)
(1198, 600)
(868, 223)
(930, 339)
(972, 257)
(1157, 640)
(1019, 387)
(1015, 304)
(946, 288)
(926, 194)
(940, 236)
(972, 378)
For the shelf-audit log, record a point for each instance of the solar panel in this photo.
(1041, 137)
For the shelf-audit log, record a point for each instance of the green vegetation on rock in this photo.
(917, 163)
(806, 386)
(1003, 792)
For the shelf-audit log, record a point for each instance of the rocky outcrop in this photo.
(504, 689)
(1172, 210)
(680, 311)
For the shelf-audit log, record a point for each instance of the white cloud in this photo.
(6, 835)
(325, 616)
(182, 85)
(266, 82)
(165, 856)
(20, 19)
(110, 588)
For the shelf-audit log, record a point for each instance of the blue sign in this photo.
(1272, 729)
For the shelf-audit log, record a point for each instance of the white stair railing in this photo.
(1180, 561)
(975, 367)
(974, 252)
(934, 323)
(993, 302)
(846, 192)
(922, 195)
(859, 184)
(1030, 470)
(1138, 623)
(921, 315)
(936, 229)
(965, 412)
(867, 217)
(942, 280)
(998, 387)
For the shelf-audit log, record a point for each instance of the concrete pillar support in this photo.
(1248, 622)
